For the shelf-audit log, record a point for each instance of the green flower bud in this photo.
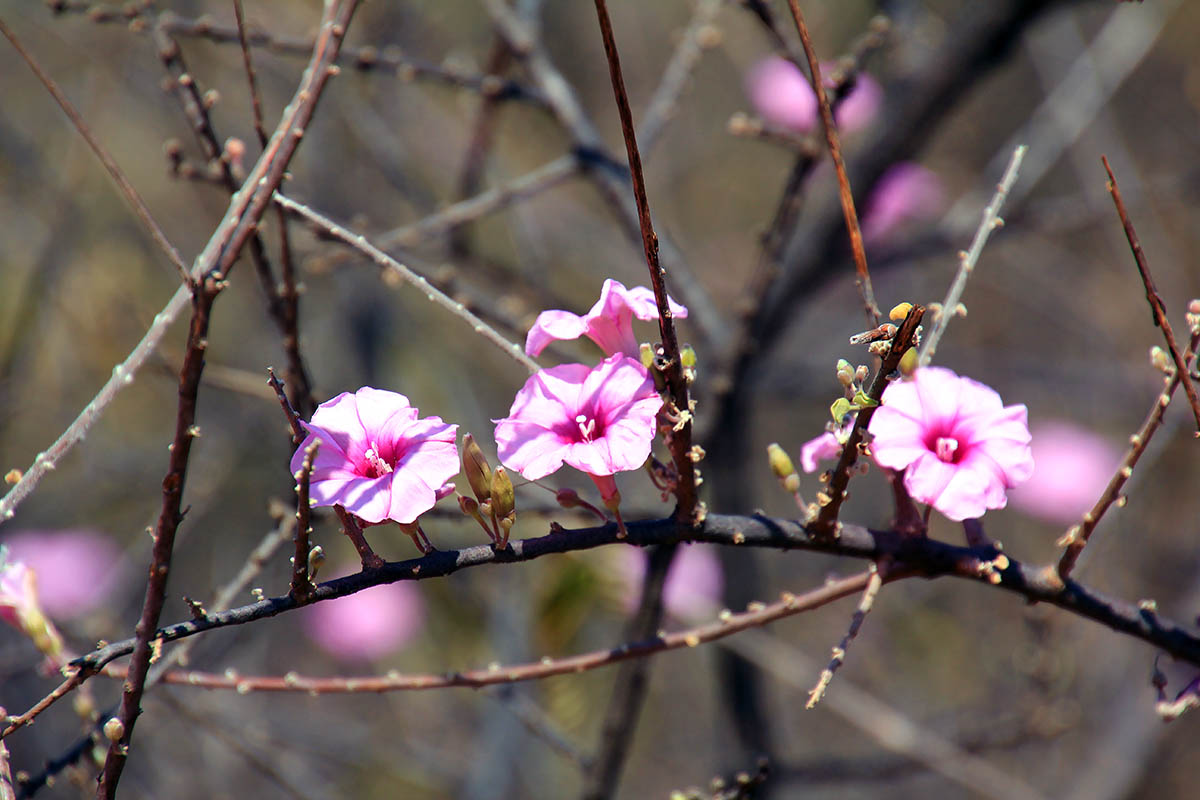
(477, 469)
(504, 499)
(909, 361)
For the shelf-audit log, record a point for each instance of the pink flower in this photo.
(960, 446)
(18, 591)
(694, 583)
(907, 192)
(377, 459)
(599, 420)
(368, 624)
(77, 569)
(609, 323)
(1074, 466)
(783, 96)
(814, 451)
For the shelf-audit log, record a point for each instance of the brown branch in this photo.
(874, 582)
(688, 509)
(862, 277)
(1076, 538)
(126, 188)
(831, 499)
(7, 792)
(728, 625)
(302, 586)
(1157, 308)
(208, 279)
(62, 690)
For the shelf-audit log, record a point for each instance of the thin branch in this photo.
(862, 277)
(1157, 308)
(289, 412)
(516, 673)
(7, 792)
(839, 653)
(688, 508)
(1076, 538)
(126, 188)
(251, 80)
(301, 588)
(967, 260)
(360, 243)
(62, 690)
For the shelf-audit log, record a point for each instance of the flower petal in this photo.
(552, 325)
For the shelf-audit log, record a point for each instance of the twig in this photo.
(62, 690)
(688, 508)
(126, 188)
(967, 260)
(251, 80)
(547, 667)
(302, 586)
(7, 792)
(208, 276)
(1076, 538)
(354, 532)
(1157, 308)
(839, 653)
(831, 499)
(289, 412)
(381, 258)
(862, 276)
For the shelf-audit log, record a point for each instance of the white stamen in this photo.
(946, 447)
(587, 427)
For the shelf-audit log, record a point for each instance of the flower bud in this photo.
(1158, 358)
(477, 469)
(845, 373)
(504, 500)
(114, 730)
(909, 361)
(646, 355)
(782, 466)
(567, 498)
(899, 312)
(316, 557)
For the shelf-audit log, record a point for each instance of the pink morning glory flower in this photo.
(960, 446)
(377, 459)
(599, 420)
(907, 192)
(368, 624)
(608, 324)
(77, 569)
(1074, 466)
(783, 96)
(18, 591)
(694, 583)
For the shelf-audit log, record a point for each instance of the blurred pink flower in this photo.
(782, 95)
(817, 450)
(18, 591)
(376, 458)
(961, 447)
(368, 624)
(1074, 466)
(609, 323)
(694, 586)
(76, 569)
(907, 192)
(599, 420)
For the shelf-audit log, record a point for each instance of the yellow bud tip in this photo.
(899, 311)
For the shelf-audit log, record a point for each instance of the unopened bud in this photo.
(845, 373)
(646, 355)
(899, 312)
(477, 469)
(687, 357)
(1158, 358)
(316, 557)
(909, 361)
(114, 730)
(469, 505)
(780, 461)
(567, 498)
(504, 499)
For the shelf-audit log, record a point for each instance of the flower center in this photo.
(946, 448)
(587, 427)
(376, 466)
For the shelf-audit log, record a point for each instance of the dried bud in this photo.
(567, 498)
(504, 499)
(477, 469)
(899, 312)
(469, 505)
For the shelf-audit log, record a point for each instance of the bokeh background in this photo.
(1057, 320)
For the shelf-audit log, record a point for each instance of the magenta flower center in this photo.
(375, 466)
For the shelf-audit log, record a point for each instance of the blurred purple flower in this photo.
(907, 192)
(18, 591)
(376, 459)
(694, 585)
(1074, 466)
(609, 323)
(368, 624)
(960, 446)
(782, 95)
(76, 569)
(599, 420)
